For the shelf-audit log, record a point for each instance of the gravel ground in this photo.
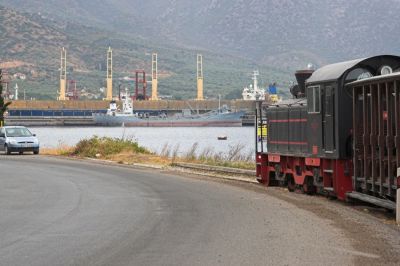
(74, 212)
(373, 231)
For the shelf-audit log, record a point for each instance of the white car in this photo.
(18, 139)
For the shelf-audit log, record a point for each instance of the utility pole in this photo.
(3, 105)
(119, 91)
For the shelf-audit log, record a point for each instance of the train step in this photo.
(373, 200)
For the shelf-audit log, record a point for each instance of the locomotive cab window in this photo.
(358, 74)
(314, 99)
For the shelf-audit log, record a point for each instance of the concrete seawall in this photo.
(26, 118)
(49, 121)
(171, 105)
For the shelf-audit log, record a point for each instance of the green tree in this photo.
(3, 105)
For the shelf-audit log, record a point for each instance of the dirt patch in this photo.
(364, 232)
(131, 158)
(14, 64)
(372, 232)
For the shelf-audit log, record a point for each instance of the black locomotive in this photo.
(340, 133)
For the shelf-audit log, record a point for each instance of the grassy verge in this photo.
(235, 157)
(61, 150)
(128, 151)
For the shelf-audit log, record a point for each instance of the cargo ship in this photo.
(128, 118)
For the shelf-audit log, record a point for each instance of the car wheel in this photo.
(6, 150)
(36, 152)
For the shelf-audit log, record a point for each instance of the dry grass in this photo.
(123, 150)
(61, 149)
(235, 157)
(128, 157)
(14, 64)
(117, 150)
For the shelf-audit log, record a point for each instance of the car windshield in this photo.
(18, 132)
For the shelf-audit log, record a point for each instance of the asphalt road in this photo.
(64, 212)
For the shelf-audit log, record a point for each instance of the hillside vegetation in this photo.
(32, 42)
(284, 33)
(235, 37)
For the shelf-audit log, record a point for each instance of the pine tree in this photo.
(3, 105)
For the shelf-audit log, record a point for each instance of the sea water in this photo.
(155, 138)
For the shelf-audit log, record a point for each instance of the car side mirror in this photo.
(2, 135)
(34, 135)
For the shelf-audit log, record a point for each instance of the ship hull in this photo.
(220, 120)
(150, 123)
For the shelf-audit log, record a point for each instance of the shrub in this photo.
(106, 146)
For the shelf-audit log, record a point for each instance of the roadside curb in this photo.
(133, 165)
(234, 174)
(107, 162)
(228, 173)
(219, 169)
(215, 175)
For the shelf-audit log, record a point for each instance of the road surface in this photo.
(66, 212)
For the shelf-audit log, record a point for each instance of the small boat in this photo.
(222, 137)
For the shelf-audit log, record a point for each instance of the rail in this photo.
(218, 169)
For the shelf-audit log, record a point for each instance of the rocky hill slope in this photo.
(283, 33)
(31, 45)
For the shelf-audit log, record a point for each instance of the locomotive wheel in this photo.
(281, 183)
(290, 184)
(308, 186)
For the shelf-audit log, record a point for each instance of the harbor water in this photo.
(155, 139)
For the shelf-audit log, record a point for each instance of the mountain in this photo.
(283, 33)
(31, 44)
(235, 36)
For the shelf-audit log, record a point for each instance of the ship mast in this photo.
(255, 81)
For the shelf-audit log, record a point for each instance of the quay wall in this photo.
(170, 105)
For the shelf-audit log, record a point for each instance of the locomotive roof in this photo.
(335, 71)
(374, 79)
